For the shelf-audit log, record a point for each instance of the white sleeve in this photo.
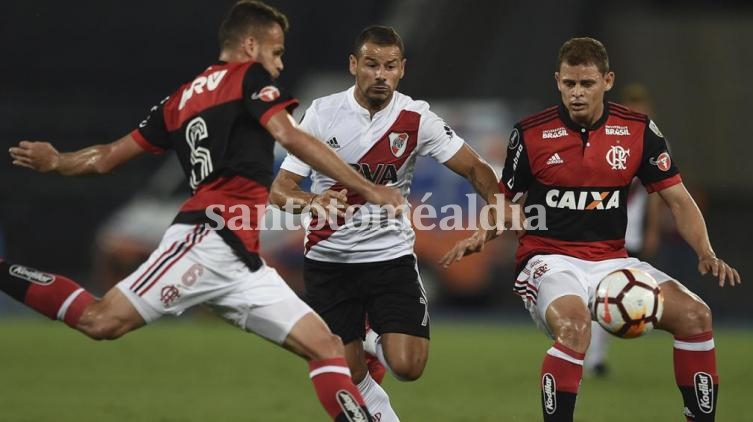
(436, 138)
(292, 163)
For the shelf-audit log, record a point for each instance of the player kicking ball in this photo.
(223, 126)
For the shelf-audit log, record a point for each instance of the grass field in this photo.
(204, 371)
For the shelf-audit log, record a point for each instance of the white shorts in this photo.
(549, 277)
(193, 265)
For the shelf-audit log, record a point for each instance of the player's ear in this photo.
(352, 64)
(250, 46)
(557, 77)
(402, 68)
(609, 80)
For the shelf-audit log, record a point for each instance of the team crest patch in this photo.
(663, 161)
(267, 94)
(617, 157)
(398, 143)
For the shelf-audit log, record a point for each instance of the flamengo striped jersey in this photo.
(215, 124)
(580, 177)
(384, 150)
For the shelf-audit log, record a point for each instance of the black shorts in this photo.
(390, 292)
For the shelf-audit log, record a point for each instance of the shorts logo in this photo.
(704, 391)
(554, 133)
(548, 391)
(540, 270)
(351, 410)
(168, 294)
(617, 157)
(267, 94)
(31, 275)
(398, 143)
(663, 162)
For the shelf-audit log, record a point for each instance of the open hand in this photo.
(719, 269)
(470, 245)
(39, 156)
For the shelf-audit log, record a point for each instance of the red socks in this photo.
(561, 374)
(696, 376)
(336, 391)
(54, 296)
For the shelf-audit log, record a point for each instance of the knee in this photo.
(407, 366)
(99, 326)
(697, 318)
(327, 346)
(574, 333)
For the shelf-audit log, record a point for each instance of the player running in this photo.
(223, 126)
(368, 266)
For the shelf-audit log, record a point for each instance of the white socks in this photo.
(377, 400)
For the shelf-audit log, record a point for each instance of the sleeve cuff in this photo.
(454, 146)
(663, 184)
(503, 189)
(144, 144)
(293, 167)
(275, 108)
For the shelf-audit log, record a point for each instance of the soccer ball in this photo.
(628, 303)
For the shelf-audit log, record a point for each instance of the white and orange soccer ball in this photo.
(628, 303)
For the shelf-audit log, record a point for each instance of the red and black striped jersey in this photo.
(577, 179)
(215, 125)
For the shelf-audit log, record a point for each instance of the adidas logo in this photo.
(555, 159)
(332, 142)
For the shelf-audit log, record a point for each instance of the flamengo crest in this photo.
(617, 157)
(398, 143)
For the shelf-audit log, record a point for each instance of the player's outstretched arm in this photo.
(96, 159)
(287, 194)
(322, 159)
(692, 228)
(467, 163)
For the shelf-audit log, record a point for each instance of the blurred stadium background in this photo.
(80, 73)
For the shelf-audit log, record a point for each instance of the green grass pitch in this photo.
(205, 371)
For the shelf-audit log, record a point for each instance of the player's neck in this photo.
(589, 121)
(234, 56)
(372, 107)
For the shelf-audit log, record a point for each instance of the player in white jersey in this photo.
(370, 269)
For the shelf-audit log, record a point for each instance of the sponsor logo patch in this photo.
(267, 94)
(582, 201)
(514, 139)
(351, 410)
(31, 275)
(548, 390)
(554, 133)
(663, 161)
(655, 129)
(704, 391)
(555, 159)
(617, 130)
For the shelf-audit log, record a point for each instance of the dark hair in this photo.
(379, 35)
(585, 51)
(249, 16)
